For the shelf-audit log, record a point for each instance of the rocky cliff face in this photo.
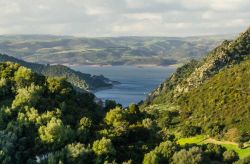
(228, 53)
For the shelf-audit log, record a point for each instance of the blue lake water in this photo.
(136, 82)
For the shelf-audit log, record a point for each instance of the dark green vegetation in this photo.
(224, 98)
(194, 73)
(45, 120)
(209, 97)
(77, 79)
(112, 51)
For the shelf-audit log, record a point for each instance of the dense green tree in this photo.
(188, 131)
(5, 88)
(45, 117)
(148, 123)
(245, 160)
(84, 129)
(165, 135)
(214, 151)
(104, 150)
(162, 153)
(191, 156)
(24, 77)
(151, 158)
(116, 117)
(103, 146)
(58, 86)
(25, 136)
(78, 153)
(230, 156)
(7, 147)
(8, 69)
(55, 132)
(27, 96)
(29, 115)
(133, 109)
(110, 104)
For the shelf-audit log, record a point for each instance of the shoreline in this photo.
(109, 65)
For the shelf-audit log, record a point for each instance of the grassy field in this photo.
(201, 139)
(242, 152)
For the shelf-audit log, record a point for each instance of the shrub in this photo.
(189, 131)
(191, 156)
(230, 156)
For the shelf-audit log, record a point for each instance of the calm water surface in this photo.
(136, 82)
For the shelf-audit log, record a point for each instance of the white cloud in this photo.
(230, 5)
(97, 11)
(144, 16)
(124, 17)
(195, 4)
(127, 28)
(9, 8)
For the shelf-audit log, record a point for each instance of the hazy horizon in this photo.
(125, 36)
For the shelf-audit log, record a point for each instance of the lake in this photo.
(136, 82)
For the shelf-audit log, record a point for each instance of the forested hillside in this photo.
(208, 97)
(178, 93)
(224, 99)
(197, 116)
(195, 73)
(44, 120)
(79, 80)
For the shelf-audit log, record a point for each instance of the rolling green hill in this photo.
(77, 79)
(210, 96)
(113, 51)
(44, 120)
(223, 98)
(194, 73)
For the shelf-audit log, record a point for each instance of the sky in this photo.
(101, 18)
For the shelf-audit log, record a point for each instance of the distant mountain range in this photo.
(79, 80)
(49, 49)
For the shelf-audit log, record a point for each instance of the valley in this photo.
(198, 114)
(124, 82)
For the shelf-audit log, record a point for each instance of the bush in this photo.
(103, 146)
(84, 129)
(55, 132)
(162, 153)
(191, 156)
(245, 160)
(232, 134)
(240, 145)
(189, 131)
(115, 117)
(78, 153)
(151, 158)
(230, 156)
(214, 151)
